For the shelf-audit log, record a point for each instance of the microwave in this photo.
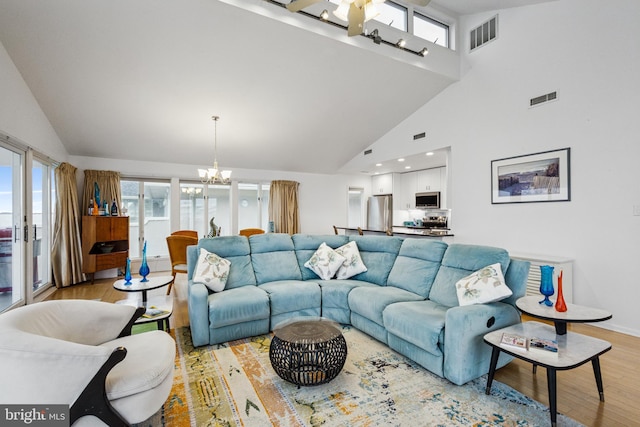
(430, 200)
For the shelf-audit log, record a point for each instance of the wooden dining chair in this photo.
(191, 233)
(360, 232)
(250, 231)
(178, 254)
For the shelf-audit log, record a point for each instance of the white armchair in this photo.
(82, 353)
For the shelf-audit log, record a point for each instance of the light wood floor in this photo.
(577, 393)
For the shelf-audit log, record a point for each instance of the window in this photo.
(148, 221)
(431, 30)
(393, 15)
(253, 206)
(192, 208)
(355, 211)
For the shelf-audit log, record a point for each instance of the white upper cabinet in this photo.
(382, 184)
(406, 196)
(428, 180)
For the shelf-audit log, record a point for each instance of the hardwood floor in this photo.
(577, 393)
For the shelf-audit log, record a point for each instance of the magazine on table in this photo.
(533, 344)
(154, 311)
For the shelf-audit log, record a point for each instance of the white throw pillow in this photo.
(352, 264)
(212, 271)
(325, 262)
(485, 285)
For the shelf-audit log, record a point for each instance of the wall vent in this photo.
(483, 34)
(369, 151)
(543, 98)
(419, 135)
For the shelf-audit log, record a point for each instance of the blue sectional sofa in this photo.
(406, 298)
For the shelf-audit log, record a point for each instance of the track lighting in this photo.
(424, 52)
(324, 15)
(401, 43)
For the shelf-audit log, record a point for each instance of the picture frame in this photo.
(537, 177)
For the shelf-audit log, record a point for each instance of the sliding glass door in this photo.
(12, 268)
(40, 227)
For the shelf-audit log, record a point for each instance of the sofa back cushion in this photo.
(417, 264)
(273, 257)
(306, 245)
(460, 261)
(378, 255)
(235, 249)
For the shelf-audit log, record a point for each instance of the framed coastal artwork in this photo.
(538, 177)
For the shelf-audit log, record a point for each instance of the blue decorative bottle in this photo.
(546, 284)
(127, 273)
(144, 267)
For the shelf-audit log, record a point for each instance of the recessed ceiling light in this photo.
(378, 164)
(401, 160)
(430, 153)
(407, 167)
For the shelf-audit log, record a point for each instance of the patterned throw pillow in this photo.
(212, 271)
(485, 285)
(325, 262)
(352, 264)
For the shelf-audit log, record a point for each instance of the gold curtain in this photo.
(109, 185)
(283, 206)
(66, 256)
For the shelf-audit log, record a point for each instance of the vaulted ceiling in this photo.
(141, 79)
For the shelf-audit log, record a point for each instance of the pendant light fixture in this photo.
(214, 175)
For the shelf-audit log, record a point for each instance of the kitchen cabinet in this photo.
(105, 243)
(382, 184)
(406, 194)
(428, 180)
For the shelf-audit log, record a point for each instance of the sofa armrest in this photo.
(466, 355)
(198, 302)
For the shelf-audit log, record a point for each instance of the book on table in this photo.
(533, 344)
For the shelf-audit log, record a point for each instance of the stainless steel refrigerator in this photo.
(380, 213)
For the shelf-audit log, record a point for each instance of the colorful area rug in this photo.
(233, 384)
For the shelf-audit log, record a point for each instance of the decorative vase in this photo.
(127, 273)
(546, 284)
(144, 267)
(560, 304)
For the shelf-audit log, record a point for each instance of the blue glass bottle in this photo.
(144, 267)
(546, 284)
(127, 273)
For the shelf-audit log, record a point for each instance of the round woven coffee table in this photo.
(308, 350)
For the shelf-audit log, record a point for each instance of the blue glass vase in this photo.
(546, 284)
(144, 267)
(127, 273)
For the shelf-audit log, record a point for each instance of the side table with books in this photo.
(571, 350)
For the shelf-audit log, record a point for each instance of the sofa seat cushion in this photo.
(420, 323)
(292, 295)
(238, 305)
(369, 302)
(460, 261)
(139, 372)
(335, 293)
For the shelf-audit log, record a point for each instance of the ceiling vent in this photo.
(369, 151)
(419, 136)
(483, 34)
(533, 102)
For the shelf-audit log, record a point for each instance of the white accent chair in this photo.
(82, 353)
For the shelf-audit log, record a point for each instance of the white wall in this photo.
(587, 51)
(20, 115)
(322, 198)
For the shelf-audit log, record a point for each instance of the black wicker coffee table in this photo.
(308, 350)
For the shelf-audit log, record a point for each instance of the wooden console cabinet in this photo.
(105, 243)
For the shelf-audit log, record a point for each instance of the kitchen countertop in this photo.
(397, 231)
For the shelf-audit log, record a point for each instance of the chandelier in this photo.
(214, 175)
